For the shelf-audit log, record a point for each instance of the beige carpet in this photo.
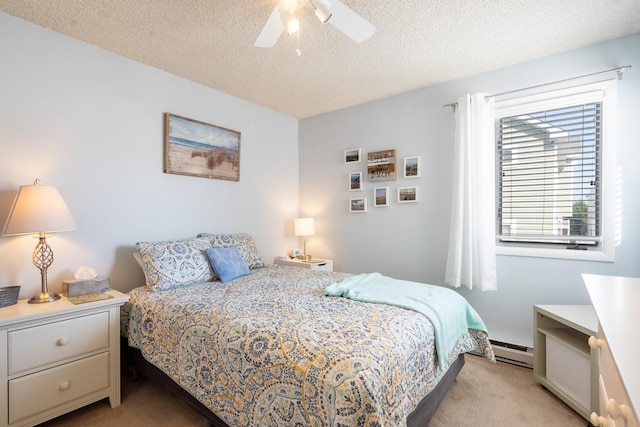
(485, 394)
(488, 394)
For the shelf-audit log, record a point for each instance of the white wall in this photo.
(91, 123)
(409, 241)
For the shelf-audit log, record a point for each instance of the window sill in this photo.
(577, 255)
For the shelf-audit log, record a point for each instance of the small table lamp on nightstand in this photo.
(39, 209)
(304, 227)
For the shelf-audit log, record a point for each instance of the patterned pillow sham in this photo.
(176, 263)
(242, 241)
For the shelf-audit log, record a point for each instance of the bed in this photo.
(269, 348)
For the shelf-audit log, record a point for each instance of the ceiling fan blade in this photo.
(350, 23)
(271, 30)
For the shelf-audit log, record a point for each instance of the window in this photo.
(552, 181)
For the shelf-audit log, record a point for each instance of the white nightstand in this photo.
(313, 264)
(562, 360)
(57, 357)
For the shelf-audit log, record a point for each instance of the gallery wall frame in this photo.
(353, 155)
(380, 197)
(196, 148)
(381, 165)
(408, 194)
(412, 167)
(358, 205)
(355, 181)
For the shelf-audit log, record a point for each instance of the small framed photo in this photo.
(407, 194)
(352, 155)
(358, 205)
(412, 167)
(355, 181)
(380, 197)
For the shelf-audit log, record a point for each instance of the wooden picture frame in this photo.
(196, 148)
(353, 155)
(380, 197)
(412, 167)
(381, 165)
(408, 194)
(355, 181)
(358, 204)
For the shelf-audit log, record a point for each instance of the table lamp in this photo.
(39, 209)
(304, 227)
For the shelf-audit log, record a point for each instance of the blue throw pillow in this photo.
(227, 263)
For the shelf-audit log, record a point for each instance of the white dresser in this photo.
(616, 301)
(57, 357)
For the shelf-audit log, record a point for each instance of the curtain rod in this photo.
(619, 70)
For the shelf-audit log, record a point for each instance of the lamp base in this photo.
(44, 297)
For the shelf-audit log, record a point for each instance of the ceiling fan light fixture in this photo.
(322, 10)
(346, 20)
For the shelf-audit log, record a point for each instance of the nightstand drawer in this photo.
(47, 344)
(35, 393)
(322, 266)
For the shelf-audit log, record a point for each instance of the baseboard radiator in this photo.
(513, 353)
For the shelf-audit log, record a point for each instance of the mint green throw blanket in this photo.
(450, 314)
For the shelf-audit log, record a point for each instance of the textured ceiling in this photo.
(418, 43)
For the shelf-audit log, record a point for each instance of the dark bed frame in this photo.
(420, 417)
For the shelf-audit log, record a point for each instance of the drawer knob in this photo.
(616, 410)
(65, 385)
(595, 343)
(62, 341)
(599, 421)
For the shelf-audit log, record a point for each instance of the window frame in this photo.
(604, 92)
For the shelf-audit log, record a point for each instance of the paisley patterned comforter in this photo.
(270, 349)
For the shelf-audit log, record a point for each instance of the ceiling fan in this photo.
(336, 13)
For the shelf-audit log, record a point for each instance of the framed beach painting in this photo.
(355, 181)
(200, 149)
(380, 197)
(407, 194)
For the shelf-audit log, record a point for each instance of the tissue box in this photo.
(9, 295)
(77, 287)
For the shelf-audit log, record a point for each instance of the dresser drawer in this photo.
(604, 398)
(47, 344)
(612, 388)
(54, 387)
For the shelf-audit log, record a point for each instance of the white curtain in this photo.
(471, 261)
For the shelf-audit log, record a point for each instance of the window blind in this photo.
(549, 176)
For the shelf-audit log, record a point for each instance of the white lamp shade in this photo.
(38, 209)
(304, 227)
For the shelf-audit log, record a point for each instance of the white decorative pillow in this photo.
(176, 263)
(242, 241)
